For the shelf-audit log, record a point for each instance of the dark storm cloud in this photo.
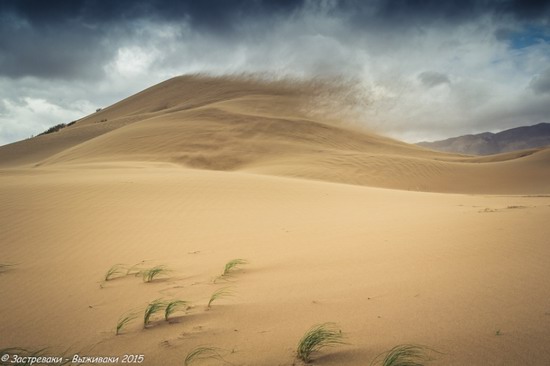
(75, 38)
(525, 9)
(49, 52)
(212, 14)
(399, 14)
(66, 58)
(222, 14)
(70, 39)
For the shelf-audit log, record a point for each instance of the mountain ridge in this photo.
(489, 143)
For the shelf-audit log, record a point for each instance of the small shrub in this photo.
(53, 129)
(318, 337)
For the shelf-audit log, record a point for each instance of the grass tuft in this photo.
(135, 269)
(4, 267)
(230, 266)
(233, 265)
(319, 336)
(222, 292)
(123, 321)
(151, 309)
(403, 355)
(115, 271)
(202, 353)
(172, 307)
(151, 273)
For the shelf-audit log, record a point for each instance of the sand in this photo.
(394, 243)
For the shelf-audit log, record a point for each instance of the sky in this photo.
(427, 69)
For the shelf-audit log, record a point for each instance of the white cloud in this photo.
(23, 118)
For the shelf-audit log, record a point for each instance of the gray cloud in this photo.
(431, 78)
(60, 60)
(51, 53)
(541, 84)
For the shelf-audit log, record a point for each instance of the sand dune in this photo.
(234, 124)
(197, 171)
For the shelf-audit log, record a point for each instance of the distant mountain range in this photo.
(488, 143)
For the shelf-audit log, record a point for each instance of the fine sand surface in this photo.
(394, 243)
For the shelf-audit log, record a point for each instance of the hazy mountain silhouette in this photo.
(487, 143)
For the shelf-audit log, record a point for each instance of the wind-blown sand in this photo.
(394, 243)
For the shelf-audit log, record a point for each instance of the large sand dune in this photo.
(197, 171)
(269, 128)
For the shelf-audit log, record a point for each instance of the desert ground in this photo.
(394, 243)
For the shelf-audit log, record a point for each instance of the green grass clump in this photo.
(172, 307)
(319, 336)
(232, 265)
(403, 355)
(135, 269)
(151, 273)
(151, 309)
(115, 271)
(202, 353)
(123, 321)
(222, 292)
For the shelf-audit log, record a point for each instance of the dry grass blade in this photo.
(115, 271)
(202, 353)
(319, 336)
(222, 292)
(232, 265)
(123, 321)
(151, 273)
(135, 269)
(4, 267)
(172, 307)
(404, 355)
(151, 309)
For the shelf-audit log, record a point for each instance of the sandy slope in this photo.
(389, 267)
(246, 171)
(279, 129)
